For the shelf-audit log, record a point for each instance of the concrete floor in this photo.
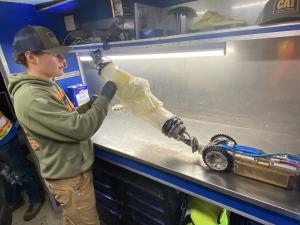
(46, 216)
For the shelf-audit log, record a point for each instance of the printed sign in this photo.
(285, 6)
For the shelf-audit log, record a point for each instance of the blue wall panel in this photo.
(14, 16)
(92, 10)
(54, 21)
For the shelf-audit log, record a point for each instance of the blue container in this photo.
(78, 94)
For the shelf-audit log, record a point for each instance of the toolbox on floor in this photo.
(127, 198)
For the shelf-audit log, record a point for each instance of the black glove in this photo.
(109, 90)
(174, 128)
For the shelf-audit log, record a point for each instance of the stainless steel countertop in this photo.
(126, 135)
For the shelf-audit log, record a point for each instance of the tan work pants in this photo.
(77, 197)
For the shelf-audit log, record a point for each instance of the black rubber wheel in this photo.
(217, 159)
(223, 139)
(5, 213)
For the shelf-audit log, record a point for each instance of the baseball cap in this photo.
(279, 11)
(38, 38)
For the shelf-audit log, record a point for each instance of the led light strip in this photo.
(161, 55)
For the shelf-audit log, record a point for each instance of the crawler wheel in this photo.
(218, 159)
(223, 139)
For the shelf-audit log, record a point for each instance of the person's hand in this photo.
(109, 90)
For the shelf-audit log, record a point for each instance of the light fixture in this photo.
(218, 52)
(85, 58)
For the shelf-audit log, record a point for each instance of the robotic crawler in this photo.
(223, 154)
(219, 153)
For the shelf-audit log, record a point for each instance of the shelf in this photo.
(245, 33)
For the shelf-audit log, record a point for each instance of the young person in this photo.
(58, 133)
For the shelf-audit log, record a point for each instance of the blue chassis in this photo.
(255, 152)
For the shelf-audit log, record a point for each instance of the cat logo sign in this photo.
(284, 6)
(279, 11)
